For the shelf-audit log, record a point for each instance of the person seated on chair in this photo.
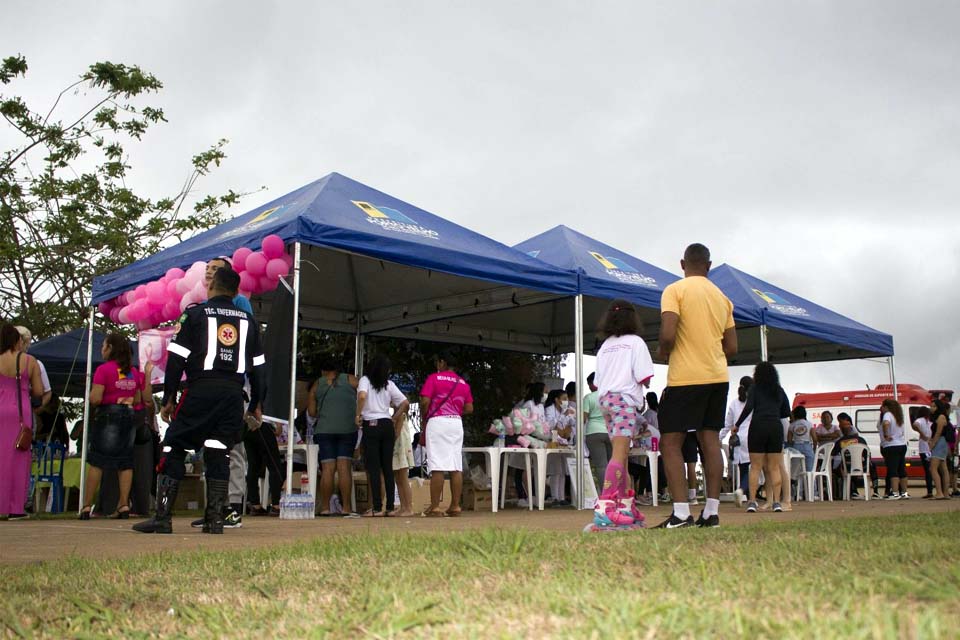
(51, 418)
(848, 437)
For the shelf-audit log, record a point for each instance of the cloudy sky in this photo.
(815, 144)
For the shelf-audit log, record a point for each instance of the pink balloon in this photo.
(115, 315)
(268, 284)
(240, 259)
(247, 281)
(174, 273)
(256, 264)
(277, 268)
(171, 310)
(185, 302)
(199, 265)
(288, 259)
(123, 316)
(143, 325)
(246, 294)
(140, 292)
(172, 289)
(183, 285)
(156, 293)
(105, 308)
(272, 247)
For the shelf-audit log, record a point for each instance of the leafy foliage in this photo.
(66, 210)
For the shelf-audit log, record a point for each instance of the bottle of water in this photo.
(501, 441)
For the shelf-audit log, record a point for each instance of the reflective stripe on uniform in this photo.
(259, 360)
(211, 344)
(178, 349)
(242, 356)
(214, 444)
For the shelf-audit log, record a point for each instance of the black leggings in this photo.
(925, 459)
(263, 455)
(895, 457)
(378, 441)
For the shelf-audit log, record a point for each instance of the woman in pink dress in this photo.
(15, 464)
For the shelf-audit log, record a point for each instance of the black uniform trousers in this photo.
(263, 454)
(209, 416)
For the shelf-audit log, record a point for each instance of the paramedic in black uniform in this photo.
(217, 344)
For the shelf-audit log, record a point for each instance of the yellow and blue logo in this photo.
(390, 219)
(777, 303)
(770, 297)
(622, 271)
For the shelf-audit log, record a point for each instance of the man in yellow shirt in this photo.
(696, 336)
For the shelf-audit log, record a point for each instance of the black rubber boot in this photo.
(162, 522)
(216, 500)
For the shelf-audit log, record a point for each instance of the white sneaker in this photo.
(893, 496)
(738, 497)
(523, 504)
(904, 496)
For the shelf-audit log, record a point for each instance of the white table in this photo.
(493, 469)
(653, 461)
(541, 456)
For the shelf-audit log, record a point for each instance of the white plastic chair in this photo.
(789, 455)
(854, 461)
(822, 471)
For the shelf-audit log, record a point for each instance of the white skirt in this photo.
(445, 444)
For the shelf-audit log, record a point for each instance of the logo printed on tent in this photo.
(622, 271)
(258, 221)
(533, 254)
(778, 303)
(392, 220)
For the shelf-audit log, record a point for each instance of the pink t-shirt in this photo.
(141, 383)
(116, 386)
(450, 389)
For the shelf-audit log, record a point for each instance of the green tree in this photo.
(66, 211)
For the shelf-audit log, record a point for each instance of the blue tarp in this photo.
(605, 272)
(339, 213)
(828, 334)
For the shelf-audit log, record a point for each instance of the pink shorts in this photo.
(621, 417)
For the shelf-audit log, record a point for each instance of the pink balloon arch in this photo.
(151, 304)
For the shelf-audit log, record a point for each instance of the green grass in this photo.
(867, 578)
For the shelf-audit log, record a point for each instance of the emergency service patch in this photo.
(227, 335)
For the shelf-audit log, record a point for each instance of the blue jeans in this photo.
(806, 448)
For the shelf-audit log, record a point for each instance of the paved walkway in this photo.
(56, 539)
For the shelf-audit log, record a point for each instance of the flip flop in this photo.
(433, 513)
(453, 513)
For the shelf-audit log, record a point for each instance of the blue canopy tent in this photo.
(364, 263)
(775, 324)
(566, 325)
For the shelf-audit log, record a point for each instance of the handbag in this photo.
(423, 426)
(25, 436)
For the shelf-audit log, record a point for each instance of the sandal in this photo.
(121, 514)
(453, 513)
(370, 513)
(433, 513)
(85, 513)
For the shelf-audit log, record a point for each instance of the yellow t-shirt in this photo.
(705, 313)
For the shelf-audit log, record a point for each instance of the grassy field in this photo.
(865, 577)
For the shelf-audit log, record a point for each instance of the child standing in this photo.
(624, 368)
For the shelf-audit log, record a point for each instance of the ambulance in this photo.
(863, 406)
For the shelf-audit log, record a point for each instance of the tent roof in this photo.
(338, 213)
(606, 272)
(798, 330)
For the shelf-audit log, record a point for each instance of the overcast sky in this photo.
(813, 144)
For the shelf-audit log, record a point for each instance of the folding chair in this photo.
(855, 461)
(822, 473)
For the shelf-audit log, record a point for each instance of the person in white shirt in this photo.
(740, 455)
(893, 448)
(624, 368)
(921, 424)
(376, 395)
(800, 436)
(826, 432)
(563, 424)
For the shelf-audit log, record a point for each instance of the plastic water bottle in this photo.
(501, 441)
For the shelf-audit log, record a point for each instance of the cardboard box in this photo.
(477, 499)
(190, 495)
(361, 488)
(421, 494)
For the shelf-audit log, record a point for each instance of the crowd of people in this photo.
(366, 418)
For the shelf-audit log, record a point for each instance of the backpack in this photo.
(950, 433)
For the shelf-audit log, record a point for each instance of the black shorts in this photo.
(765, 437)
(690, 448)
(208, 410)
(696, 406)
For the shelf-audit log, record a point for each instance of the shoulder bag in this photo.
(25, 436)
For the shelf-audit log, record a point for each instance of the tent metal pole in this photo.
(358, 347)
(764, 356)
(578, 372)
(86, 412)
(893, 377)
(293, 365)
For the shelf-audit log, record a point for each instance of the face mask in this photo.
(564, 405)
